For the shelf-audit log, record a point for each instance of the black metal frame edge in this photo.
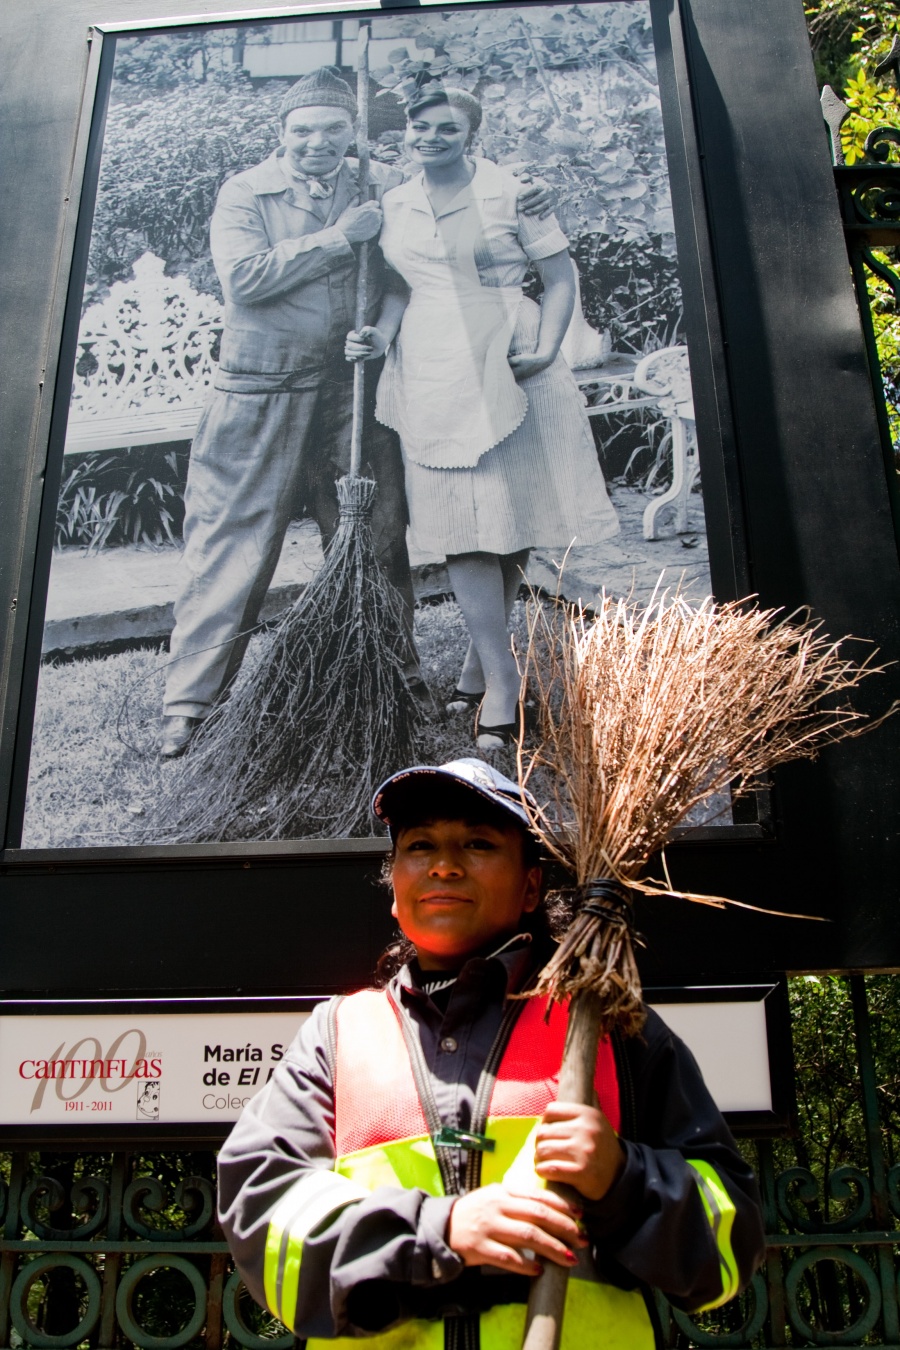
(96, 103)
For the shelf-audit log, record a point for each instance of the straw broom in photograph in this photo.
(325, 714)
(644, 712)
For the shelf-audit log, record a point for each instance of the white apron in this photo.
(447, 387)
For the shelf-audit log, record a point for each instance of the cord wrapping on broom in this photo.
(607, 899)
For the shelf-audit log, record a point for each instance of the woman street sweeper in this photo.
(388, 1182)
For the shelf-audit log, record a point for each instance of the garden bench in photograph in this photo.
(145, 362)
(660, 380)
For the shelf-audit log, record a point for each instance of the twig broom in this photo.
(644, 712)
(326, 713)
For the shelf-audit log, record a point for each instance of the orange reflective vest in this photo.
(382, 1137)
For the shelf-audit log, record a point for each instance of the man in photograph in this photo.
(275, 434)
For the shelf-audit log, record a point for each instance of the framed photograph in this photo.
(522, 160)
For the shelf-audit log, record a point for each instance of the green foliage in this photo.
(829, 1090)
(122, 499)
(170, 144)
(886, 323)
(849, 39)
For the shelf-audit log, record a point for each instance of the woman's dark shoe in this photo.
(460, 701)
(506, 734)
(501, 737)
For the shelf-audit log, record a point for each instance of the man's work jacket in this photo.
(337, 1183)
(288, 274)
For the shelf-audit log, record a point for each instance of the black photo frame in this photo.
(725, 574)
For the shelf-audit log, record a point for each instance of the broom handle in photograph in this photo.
(362, 275)
(546, 1303)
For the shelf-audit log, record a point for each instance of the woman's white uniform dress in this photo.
(492, 465)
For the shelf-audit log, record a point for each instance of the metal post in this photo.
(880, 1207)
(10, 1230)
(774, 1270)
(112, 1265)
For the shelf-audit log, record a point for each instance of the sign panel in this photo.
(730, 1043)
(121, 1069)
(201, 1068)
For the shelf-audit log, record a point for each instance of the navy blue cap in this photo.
(474, 774)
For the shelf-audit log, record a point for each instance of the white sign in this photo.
(170, 1068)
(729, 1042)
(192, 1068)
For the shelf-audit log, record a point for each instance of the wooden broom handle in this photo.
(362, 275)
(546, 1303)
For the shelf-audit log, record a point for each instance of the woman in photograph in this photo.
(498, 451)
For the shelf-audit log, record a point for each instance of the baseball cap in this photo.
(474, 774)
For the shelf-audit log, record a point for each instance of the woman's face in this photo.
(437, 136)
(459, 887)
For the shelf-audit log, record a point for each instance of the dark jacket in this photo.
(385, 1257)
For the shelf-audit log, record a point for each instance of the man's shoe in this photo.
(176, 735)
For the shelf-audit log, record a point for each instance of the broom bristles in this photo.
(321, 718)
(644, 712)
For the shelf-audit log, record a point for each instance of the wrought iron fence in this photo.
(119, 1249)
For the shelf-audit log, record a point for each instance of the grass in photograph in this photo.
(95, 774)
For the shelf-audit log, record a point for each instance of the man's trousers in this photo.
(258, 461)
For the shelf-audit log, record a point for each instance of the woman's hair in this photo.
(452, 801)
(456, 98)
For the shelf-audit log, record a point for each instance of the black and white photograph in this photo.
(381, 342)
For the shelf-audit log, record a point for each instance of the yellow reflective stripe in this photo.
(720, 1212)
(512, 1159)
(410, 1163)
(595, 1314)
(301, 1209)
(411, 1335)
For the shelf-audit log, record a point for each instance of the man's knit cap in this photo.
(322, 88)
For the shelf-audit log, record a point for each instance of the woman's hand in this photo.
(527, 364)
(578, 1146)
(365, 344)
(493, 1226)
